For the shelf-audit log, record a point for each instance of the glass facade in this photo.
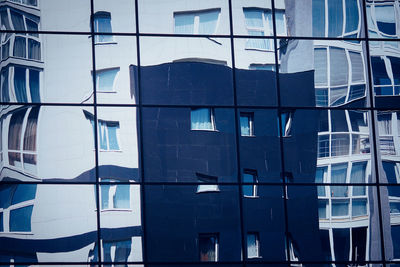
(200, 133)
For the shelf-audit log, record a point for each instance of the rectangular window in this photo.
(258, 23)
(211, 186)
(199, 22)
(250, 189)
(115, 196)
(202, 119)
(102, 24)
(117, 251)
(105, 80)
(108, 139)
(208, 247)
(287, 120)
(253, 245)
(247, 124)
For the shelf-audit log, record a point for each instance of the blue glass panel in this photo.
(248, 190)
(244, 125)
(5, 96)
(107, 251)
(253, 17)
(23, 193)
(122, 197)
(20, 47)
(20, 219)
(359, 207)
(102, 135)
(5, 195)
(184, 23)
(395, 230)
(340, 208)
(112, 136)
(322, 209)
(341, 244)
(318, 15)
(351, 15)
(34, 85)
(20, 84)
(379, 71)
(105, 192)
(33, 49)
(201, 119)
(208, 22)
(335, 18)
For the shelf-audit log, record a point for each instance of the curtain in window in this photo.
(30, 131)
(20, 47)
(258, 43)
(208, 22)
(14, 137)
(359, 207)
(357, 67)
(385, 124)
(5, 97)
(105, 80)
(20, 219)
(107, 250)
(252, 250)
(30, 2)
(17, 21)
(105, 192)
(385, 19)
(358, 176)
(320, 64)
(379, 71)
(318, 18)
(280, 22)
(253, 18)
(122, 197)
(34, 85)
(340, 208)
(351, 15)
(123, 250)
(102, 135)
(102, 23)
(32, 26)
(395, 62)
(339, 67)
(184, 23)
(20, 84)
(5, 23)
(338, 175)
(33, 49)
(335, 18)
(201, 119)
(112, 136)
(244, 126)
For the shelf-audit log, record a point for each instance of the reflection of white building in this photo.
(56, 143)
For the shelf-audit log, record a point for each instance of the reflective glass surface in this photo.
(194, 133)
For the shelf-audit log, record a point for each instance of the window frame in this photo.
(216, 245)
(212, 120)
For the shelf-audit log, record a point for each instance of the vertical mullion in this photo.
(237, 137)
(95, 131)
(284, 184)
(140, 139)
(373, 133)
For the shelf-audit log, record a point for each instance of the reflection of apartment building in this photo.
(54, 144)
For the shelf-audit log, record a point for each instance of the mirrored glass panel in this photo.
(210, 17)
(47, 223)
(202, 227)
(182, 71)
(116, 71)
(41, 143)
(383, 19)
(189, 145)
(116, 16)
(255, 72)
(327, 146)
(343, 223)
(117, 145)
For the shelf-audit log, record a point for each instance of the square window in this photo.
(208, 247)
(211, 185)
(247, 124)
(115, 196)
(202, 119)
(253, 245)
(250, 190)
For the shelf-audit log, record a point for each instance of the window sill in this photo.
(17, 233)
(251, 197)
(205, 130)
(254, 257)
(116, 210)
(247, 135)
(106, 43)
(208, 191)
(103, 150)
(107, 92)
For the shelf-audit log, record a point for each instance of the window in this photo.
(202, 119)
(247, 124)
(114, 196)
(342, 20)
(16, 201)
(208, 247)
(200, 22)
(102, 24)
(253, 245)
(258, 23)
(107, 133)
(117, 251)
(105, 80)
(287, 119)
(26, 85)
(211, 185)
(26, 2)
(250, 189)
(22, 152)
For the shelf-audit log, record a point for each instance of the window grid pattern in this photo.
(355, 142)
